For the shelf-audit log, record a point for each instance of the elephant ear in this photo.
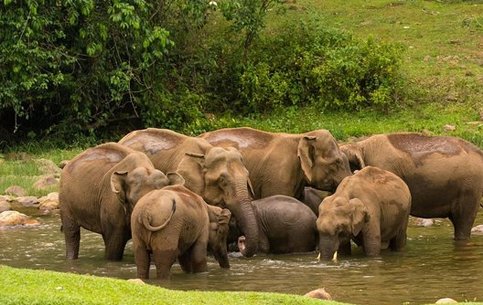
(354, 154)
(118, 185)
(191, 169)
(305, 152)
(175, 179)
(360, 215)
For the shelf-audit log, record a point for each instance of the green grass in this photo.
(21, 286)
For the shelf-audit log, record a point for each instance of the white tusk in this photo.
(318, 257)
(334, 258)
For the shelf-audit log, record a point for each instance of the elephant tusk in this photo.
(318, 257)
(334, 258)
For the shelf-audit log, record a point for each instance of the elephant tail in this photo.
(151, 228)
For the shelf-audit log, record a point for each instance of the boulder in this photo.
(50, 196)
(477, 230)
(46, 182)
(4, 205)
(16, 191)
(48, 167)
(136, 281)
(63, 163)
(14, 218)
(446, 301)
(319, 293)
(28, 201)
(48, 206)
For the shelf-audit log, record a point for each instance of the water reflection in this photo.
(431, 267)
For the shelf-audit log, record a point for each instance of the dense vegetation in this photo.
(88, 68)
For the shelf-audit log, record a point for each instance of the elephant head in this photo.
(323, 164)
(130, 186)
(354, 155)
(221, 178)
(219, 226)
(339, 220)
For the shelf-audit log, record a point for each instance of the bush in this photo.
(308, 64)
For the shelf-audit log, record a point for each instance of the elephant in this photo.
(285, 225)
(174, 222)
(283, 164)
(216, 174)
(444, 174)
(98, 190)
(371, 207)
(313, 197)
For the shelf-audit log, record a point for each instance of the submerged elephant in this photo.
(175, 223)
(216, 174)
(371, 207)
(285, 225)
(444, 174)
(281, 163)
(98, 190)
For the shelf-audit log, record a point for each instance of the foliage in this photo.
(308, 63)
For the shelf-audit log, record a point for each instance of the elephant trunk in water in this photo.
(328, 246)
(245, 217)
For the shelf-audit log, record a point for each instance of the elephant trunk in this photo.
(246, 220)
(328, 245)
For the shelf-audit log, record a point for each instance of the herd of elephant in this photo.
(180, 197)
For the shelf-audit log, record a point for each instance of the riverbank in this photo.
(23, 286)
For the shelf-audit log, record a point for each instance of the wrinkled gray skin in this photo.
(98, 190)
(371, 207)
(175, 223)
(444, 174)
(313, 197)
(285, 225)
(281, 163)
(216, 174)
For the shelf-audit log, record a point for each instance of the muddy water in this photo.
(431, 267)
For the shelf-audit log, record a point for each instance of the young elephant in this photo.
(98, 189)
(371, 207)
(176, 223)
(444, 174)
(285, 225)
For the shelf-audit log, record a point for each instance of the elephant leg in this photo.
(399, 241)
(72, 237)
(163, 260)
(198, 256)
(345, 248)
(115, 242)
(463, 215)
(372, 241)
(185, 261)
(142, 260)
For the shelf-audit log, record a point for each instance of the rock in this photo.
(28, 201)
(16, 191)
(446, 301)
(48, 206)
(4, 205)
(47, 167)
(423, 222)
(319, 293)
(136, 281)
(45, 182)
(14, 218)
(478, 230)
(449, 127)
(63, 163)
(50, 196)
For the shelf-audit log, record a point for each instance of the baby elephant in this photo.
(285, 225)
(172, 223)
(371, 207)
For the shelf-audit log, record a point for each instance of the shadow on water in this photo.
(432, 266)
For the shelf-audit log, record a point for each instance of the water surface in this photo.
(431, 266)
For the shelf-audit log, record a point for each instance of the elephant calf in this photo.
(175, 223)
(285, 225)
(371, 207)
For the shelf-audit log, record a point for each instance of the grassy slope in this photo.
(443, 64)
(21, 286)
